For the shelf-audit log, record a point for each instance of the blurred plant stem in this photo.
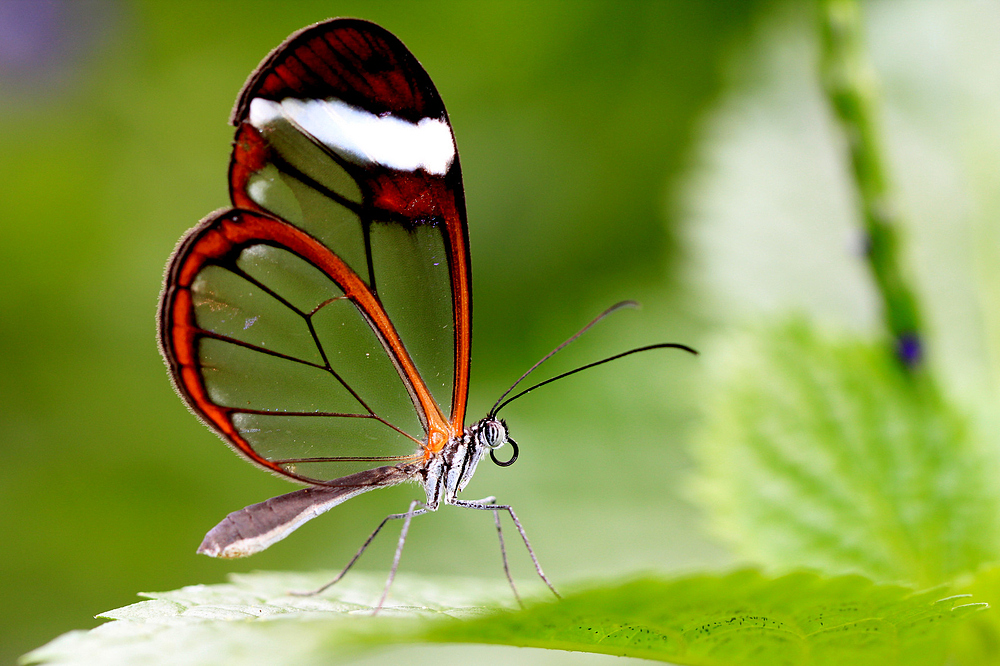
(850, 84)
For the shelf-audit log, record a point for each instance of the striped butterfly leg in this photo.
(503, 548)
(407, 517)
(487, 504)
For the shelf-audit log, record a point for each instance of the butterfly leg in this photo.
(503, 548)
(487, 505)
(407, 517)
(364, 547)
(503, 556)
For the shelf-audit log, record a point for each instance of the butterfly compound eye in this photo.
(492, 434)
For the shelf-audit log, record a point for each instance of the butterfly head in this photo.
(491, 433)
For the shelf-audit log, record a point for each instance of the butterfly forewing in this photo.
(320, 324)
(342, 133)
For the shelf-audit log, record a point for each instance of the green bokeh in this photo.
(572, 119)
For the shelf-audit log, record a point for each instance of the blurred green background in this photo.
(573, 121)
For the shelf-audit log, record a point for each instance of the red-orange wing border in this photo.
(221, 237)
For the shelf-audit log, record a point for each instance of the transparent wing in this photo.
(284, 351)
(320, 324)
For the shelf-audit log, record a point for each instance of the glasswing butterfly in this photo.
(321, 326)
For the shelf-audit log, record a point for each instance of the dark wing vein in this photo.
(326, 361)
(345, 415)
(294, 461)
(288, 168)
(347, 64)
(236, 270)
(263, 350)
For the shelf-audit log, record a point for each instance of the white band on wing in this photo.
(364, 137)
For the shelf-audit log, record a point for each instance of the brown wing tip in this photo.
(225, 541)
(210, 549)
(209, 546)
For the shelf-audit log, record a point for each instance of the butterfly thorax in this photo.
(447, 473)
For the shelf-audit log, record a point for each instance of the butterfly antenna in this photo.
(501, 402)
(662, 345)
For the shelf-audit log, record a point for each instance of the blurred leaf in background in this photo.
(771, 223)
(818, 453)
(572, 121)
(819, 447)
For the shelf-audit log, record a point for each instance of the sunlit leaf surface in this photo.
(740, 618)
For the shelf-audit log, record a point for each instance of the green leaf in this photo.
(977, 641)
(740, 618)
(255, 620)
(822, 453)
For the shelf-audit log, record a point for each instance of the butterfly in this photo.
(321, 325)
